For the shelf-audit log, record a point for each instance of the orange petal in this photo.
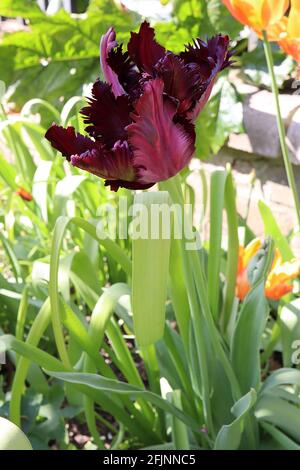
(293, 28)
(258, 14)
(278, 291)
(278, 30)
(285, 271)
(243, 285)
(277, 283)
(272, 11)
(291, 47)
(251, 250)
(240, 10)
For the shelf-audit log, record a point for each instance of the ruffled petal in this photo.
(161, 147)
(67, 141)
(113, 165)
(144, 50)
(126, 70)
(207, 60)
(116, 184)
(211, 57)
(106, 115)
(108, 42)
(180, 80)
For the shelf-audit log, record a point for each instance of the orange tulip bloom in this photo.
(258, 14)
(278, 280)
(245, 255)
(287, 32)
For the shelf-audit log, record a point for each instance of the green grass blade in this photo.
(232, 250)
(217, 189)
(272, 229)
(113, 386)
(179, 429)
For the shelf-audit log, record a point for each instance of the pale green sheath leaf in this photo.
(150, 264)
(229, 436)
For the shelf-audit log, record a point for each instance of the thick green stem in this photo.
(281, 128)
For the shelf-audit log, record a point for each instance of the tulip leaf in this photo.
(150, 265)
(114, 386)
(284, 376)
(8, 173)
(2, 89)
(179, 430)
(229, 436)
(250, 325)
(289, 321)
(284, 441)
(217, 190)
(272, 229)
(280, 413)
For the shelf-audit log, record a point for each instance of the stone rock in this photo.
(293, 138)
(260, 121)
(240, 142)
(241, 86)
(270, 186)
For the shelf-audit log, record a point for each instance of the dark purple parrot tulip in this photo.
(140, 121)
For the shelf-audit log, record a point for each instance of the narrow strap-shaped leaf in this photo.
(272, 229)
(250, 325)
(280, 437)
(232, 250)
(58, 236)
(114, 386)
(217, 189)
(280, 413)
(229, 436)
(46, 361)
(150, 267)
(37, 329)
(179, 429)
(289, 325)
(284, 376)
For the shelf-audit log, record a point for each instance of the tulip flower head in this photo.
(287, 32)
(257, 14)
(140, 122)
(279, 278)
